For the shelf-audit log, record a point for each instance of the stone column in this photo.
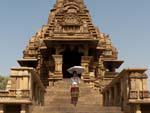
(36, 94)
(58, 66)
(116, 96)
(39, 95)
(1, 108)
(107, 98)
(94, 66)
(144, 84)
(110, 97)
(138, 109)
(85, 60)
(23, 108)
(42, 98)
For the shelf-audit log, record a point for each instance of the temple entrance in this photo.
(14, 108)
(70, 58)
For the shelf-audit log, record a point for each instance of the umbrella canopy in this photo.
(78, 69)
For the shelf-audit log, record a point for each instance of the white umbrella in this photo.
(78, 69)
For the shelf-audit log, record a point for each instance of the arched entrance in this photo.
(70, 58)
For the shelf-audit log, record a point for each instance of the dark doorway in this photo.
(145, 108)
(70, 58)
(14, 108)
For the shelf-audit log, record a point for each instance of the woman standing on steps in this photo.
(75, 80)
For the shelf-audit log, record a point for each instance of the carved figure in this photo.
(101, 69)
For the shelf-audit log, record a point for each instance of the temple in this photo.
(70, 38)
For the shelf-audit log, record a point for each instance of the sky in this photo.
(126, 21)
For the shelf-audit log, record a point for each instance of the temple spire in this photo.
(59, 3)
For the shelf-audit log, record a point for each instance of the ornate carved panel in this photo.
(71, 19)
(133, 94)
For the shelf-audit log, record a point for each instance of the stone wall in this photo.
(128, 90)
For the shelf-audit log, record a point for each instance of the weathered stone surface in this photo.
(57, 100)
(69, 31)
(70, 38)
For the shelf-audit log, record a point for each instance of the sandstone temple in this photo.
(41, 83)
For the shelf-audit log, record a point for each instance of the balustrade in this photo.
(133, 95)
(24, 81)
(130, 87)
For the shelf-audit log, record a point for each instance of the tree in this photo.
(3, 82)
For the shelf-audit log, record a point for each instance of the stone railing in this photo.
(25, 86)
(139, 94)
(4, 93)
(129, 86)
(144, 94)
(133, 94)
(15, 93)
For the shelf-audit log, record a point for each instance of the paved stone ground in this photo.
(57, 100)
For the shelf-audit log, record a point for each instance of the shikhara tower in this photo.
(69, 38)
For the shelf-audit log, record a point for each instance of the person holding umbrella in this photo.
(75, 80)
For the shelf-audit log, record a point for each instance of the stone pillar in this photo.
(138, 108)
(107, 98)
(1, 108)
(42, 98)
(58, 66)
(85, 63)
(39, 95)
(23, 108)
(110, 97)
(116, 96)
(94, 66)
(36, 94)
(144, 84)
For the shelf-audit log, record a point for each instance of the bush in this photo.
(3, 82)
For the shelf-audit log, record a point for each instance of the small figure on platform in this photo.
(75, 80)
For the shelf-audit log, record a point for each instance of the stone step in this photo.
(78, 109)
(57, 100)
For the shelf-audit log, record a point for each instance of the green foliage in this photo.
(3, 82)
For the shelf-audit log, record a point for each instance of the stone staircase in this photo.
(57, 100)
